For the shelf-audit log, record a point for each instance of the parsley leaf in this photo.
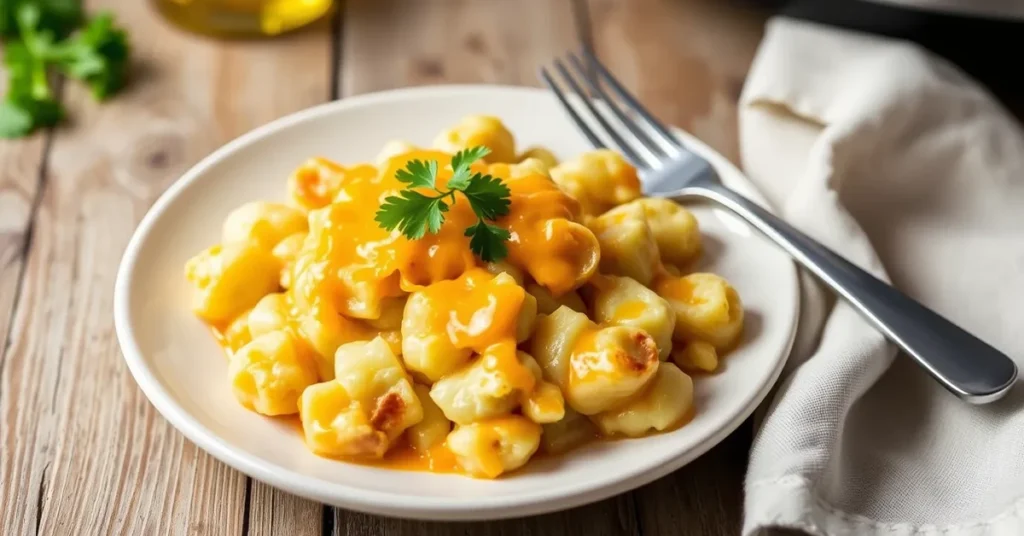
(58, 16)
(97, 55)
(466, 157)
(414, 214)
(15, 120)
(488, 241)
(29, 104)
(460, 166)
(488, 196)
(418, 174)
(36, 44)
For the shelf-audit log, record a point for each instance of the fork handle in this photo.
(962, 363)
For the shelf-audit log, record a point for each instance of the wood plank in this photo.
(274, 512)
(21, 163)
(398, 43)
(83, 450)
(612, 517)
(705, 497)
(685, 59)
(21, 167)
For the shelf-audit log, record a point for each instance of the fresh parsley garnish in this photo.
(37, 43)
(415, 214)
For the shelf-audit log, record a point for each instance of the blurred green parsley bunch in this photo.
(43, 37)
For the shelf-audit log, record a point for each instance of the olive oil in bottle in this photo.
(243, 18)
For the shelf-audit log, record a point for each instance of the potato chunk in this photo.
(269, 314)
(527, 319)
(391, 311)
(335, 425)
(374, 377)
(696, 356)
(264, 223)
(229, 279)
(628, 247)
(425, 350)
(236, 334)
(541, 155)
(434, 427)
(608, 366)
(568, 433)
(664, 403)
(315, 183)
(488, 449)
(675, 229)
(490, 386)
(269, 374)
(622, 301)
(287, 251)
(547, 303)
(544, 403)
(553, 342)
(596, 368)
(599, 180)
(476, 130)
(707, 309)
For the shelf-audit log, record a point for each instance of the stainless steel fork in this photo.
(967, 366)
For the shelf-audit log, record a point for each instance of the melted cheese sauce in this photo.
(438, 459)
(476, 310)
(547, 240)
(353, 263)
(630, 310)
(348, 264)
(675, 288)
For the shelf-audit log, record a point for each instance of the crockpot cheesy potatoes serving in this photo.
(464, 307)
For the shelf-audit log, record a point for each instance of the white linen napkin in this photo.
(891, 157)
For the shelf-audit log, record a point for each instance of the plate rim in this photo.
(551, 499)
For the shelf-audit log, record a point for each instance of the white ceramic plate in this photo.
(181, 369)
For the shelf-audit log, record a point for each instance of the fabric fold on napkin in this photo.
(895, 159)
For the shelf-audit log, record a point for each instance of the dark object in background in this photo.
(986, 47)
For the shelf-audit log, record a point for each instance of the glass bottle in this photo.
(243, 18)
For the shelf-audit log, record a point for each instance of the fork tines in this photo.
(638, 135)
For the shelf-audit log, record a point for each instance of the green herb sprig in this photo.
(415, 213)
(37, 42)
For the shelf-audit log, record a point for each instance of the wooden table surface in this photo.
(81, 449)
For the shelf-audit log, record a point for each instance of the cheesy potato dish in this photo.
(418, 354)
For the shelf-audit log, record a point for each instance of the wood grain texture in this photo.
(83, 451)
(21, 164)
(613, 517)
(685, 59)
(396, 43)
(274, 512)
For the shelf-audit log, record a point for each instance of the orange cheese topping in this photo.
(362, 263)
(479, 311)
(586, 351)
(476, 310)
(314, 184)
(630, 310)
(675, 288)
(438, 459)
(349, 264)
(547, 240)
(502, 357)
